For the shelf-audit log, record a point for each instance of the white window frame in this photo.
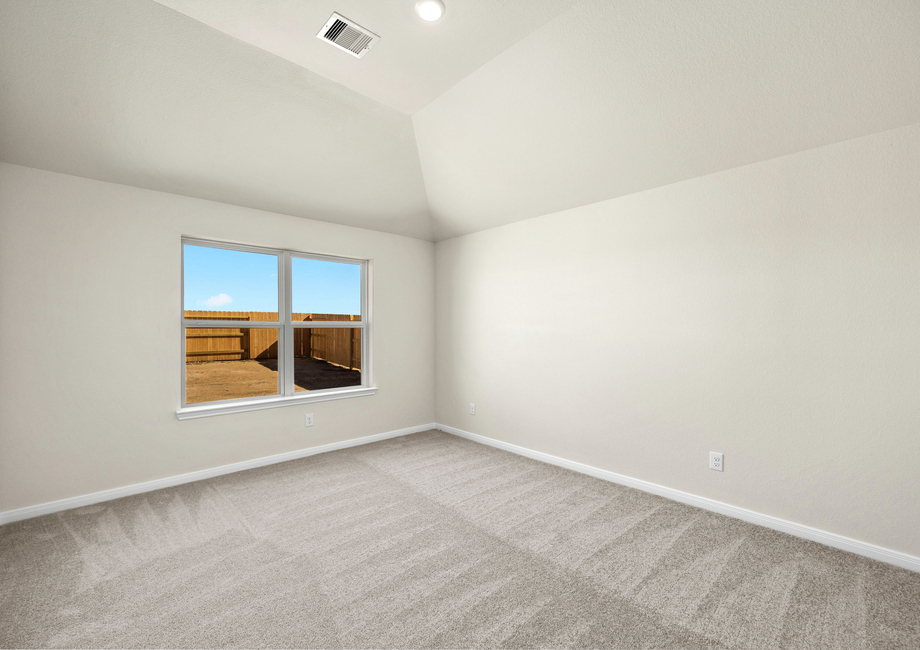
(286, 395)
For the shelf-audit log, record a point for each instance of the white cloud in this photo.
(218, 300)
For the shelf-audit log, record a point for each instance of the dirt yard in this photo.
(216, 380)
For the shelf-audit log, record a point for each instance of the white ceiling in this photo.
(518, 108)
(414, 61)
(132, 92)
(613, 98)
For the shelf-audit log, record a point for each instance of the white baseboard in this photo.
(896, 558)
(107, 495)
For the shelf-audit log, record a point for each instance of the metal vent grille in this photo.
(347, 35)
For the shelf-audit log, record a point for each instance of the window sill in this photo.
(222, 408)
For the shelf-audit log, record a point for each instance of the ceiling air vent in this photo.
(347, 35)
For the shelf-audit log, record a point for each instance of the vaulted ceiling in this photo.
(413, 63)
(501, 111)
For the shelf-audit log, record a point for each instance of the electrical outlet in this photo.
(715, 461)
(309, 420)
(472, 409)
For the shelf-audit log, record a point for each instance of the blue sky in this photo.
(217, 279)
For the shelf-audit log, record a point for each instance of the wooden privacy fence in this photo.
(341, 346)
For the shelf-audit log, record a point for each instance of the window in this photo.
(263, 327)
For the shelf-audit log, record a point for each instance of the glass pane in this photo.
(230, 363)
(326, 358)
(223, 284)
(325, 290)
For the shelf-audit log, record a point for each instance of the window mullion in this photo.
(287, 350)
(184, 356)
(366, 320)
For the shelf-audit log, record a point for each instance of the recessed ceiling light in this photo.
(429, 10)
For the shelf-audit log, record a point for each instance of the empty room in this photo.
(460, 324)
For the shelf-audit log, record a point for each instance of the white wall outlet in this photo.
(309, 420)
(472, 409)
(715, 461)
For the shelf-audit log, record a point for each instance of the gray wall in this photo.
(90, 338)
(770, 312)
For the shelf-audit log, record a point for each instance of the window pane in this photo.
(230, 363)
(230, 285)
(324, 290)
(326, 358)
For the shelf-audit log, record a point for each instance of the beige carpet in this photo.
(432, 541)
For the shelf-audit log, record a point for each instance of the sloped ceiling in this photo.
(612, 98)
(132, 92)
(413, 63)
(523, 111)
